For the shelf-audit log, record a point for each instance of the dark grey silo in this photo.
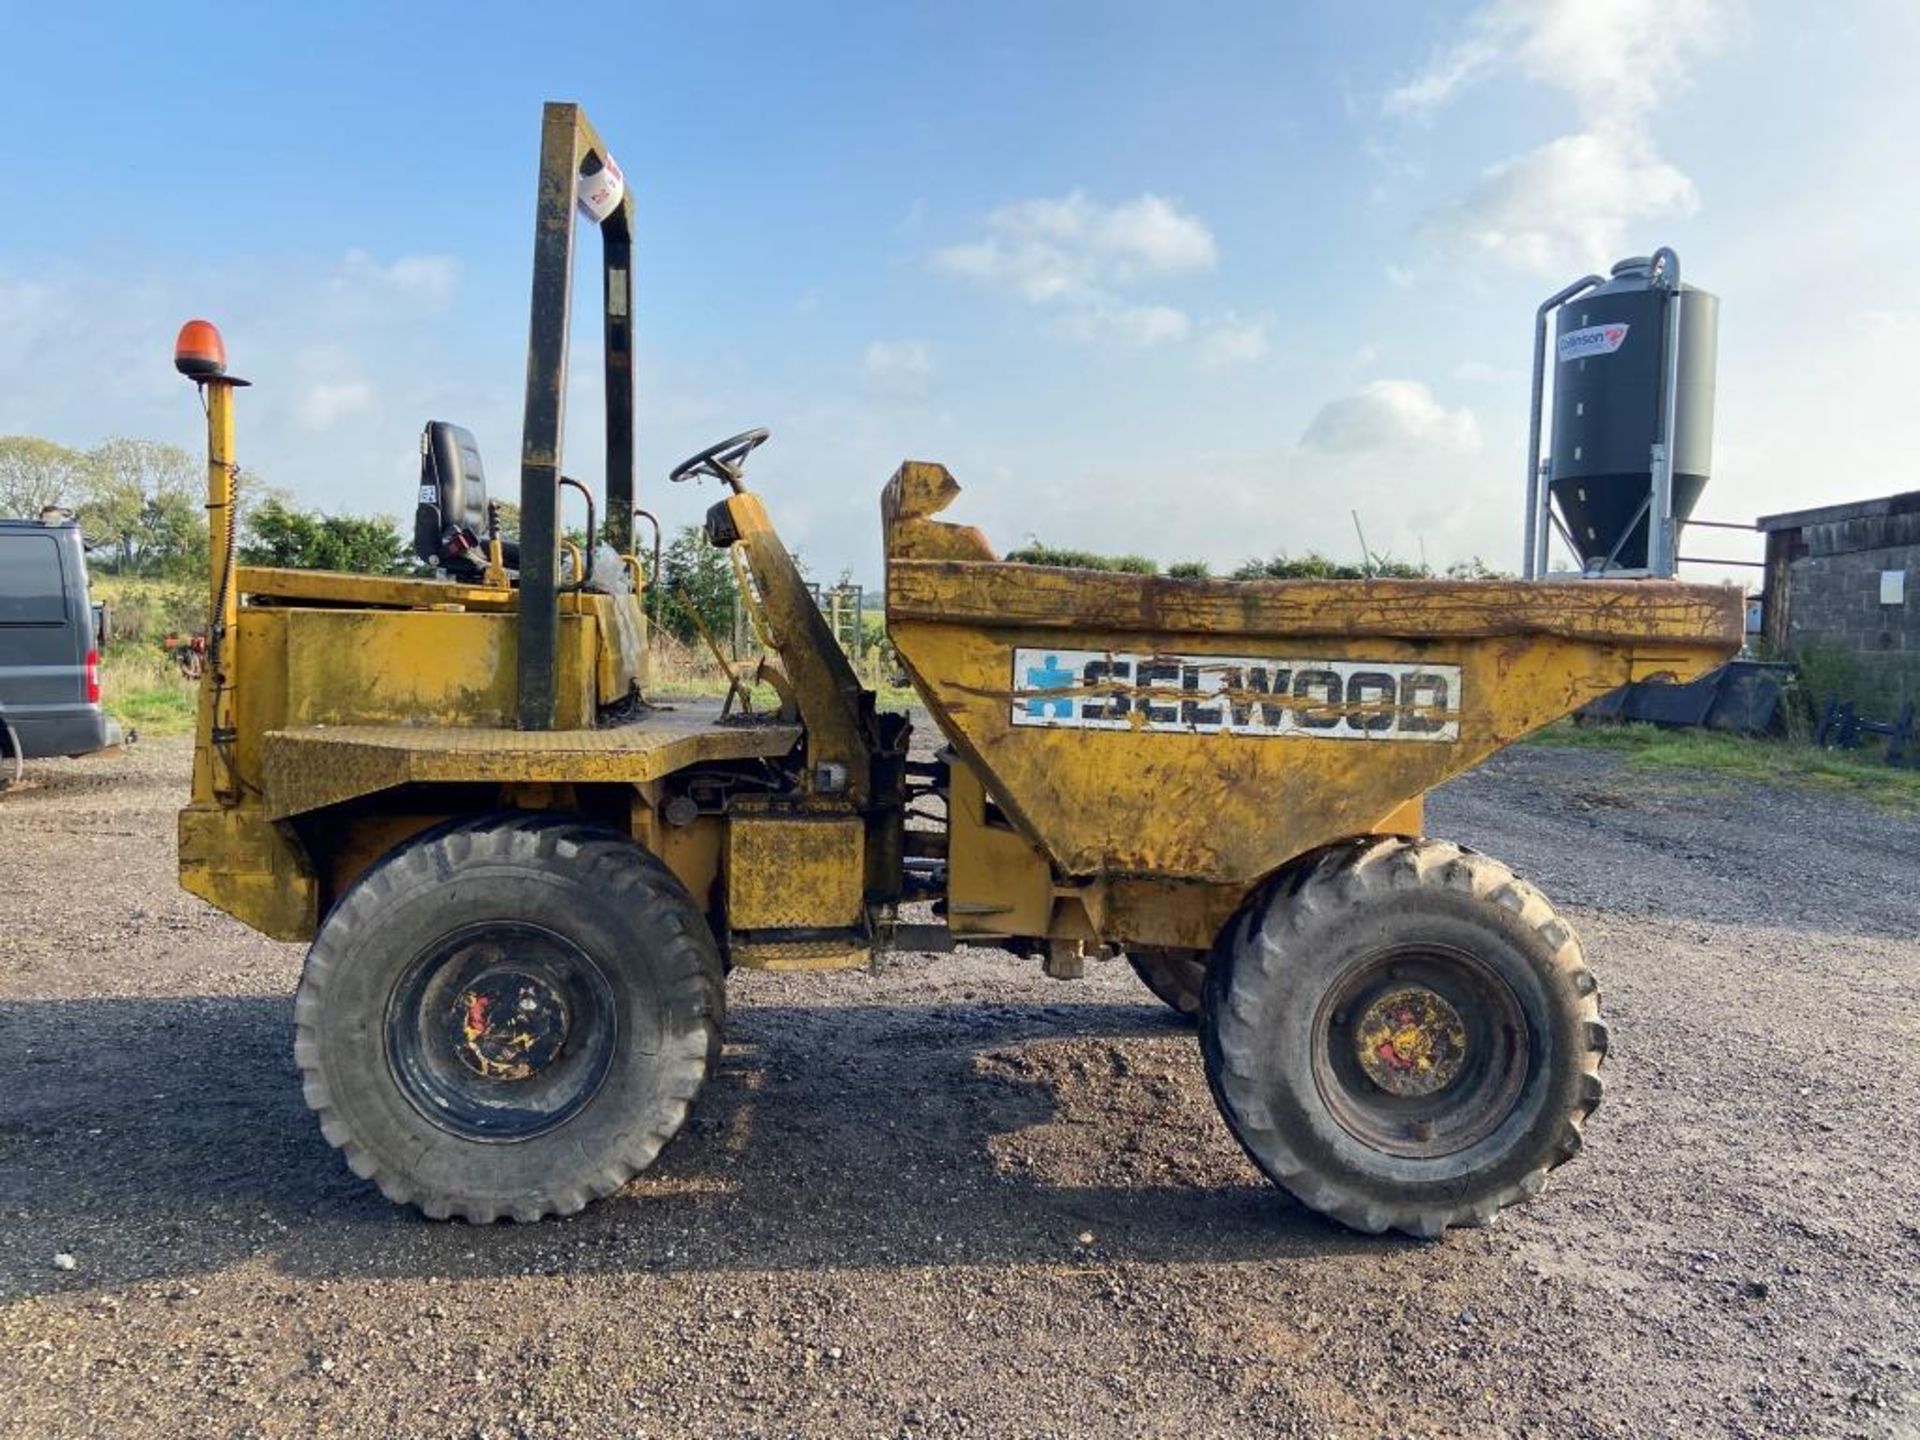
(1609, 388)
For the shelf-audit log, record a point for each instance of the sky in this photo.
(1194, 281)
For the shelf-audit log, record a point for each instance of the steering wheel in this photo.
(725, 461)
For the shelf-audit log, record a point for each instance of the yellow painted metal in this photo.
(1411, 1042)
(362, 694)
(247, 860)
(828, 693)
(692, 851)
(369, 667)
(790, 955)
(307, 769)
(371, 592)
(998, 881)
(1226, 808)
(1000, 884)
(621, 649)
(215, 771)
(348, 846)
(236, 858)
(796, 870)
(1183, 914)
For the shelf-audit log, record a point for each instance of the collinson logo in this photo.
(1593, 340)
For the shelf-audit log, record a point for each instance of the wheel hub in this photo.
(501, 1030)
(1420, 1050)
(1411, 1042)
(508, 1024)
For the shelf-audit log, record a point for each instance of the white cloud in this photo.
(1104, 321)
(1568, 203)
(1078, 257)
(898, 367)
(1446, 75)
(430, 278)
(1479, 372)
(329, 402)
(1233, 341)
(1044, 250)
(1390, 415)
(1616, 58)
(1435, 498)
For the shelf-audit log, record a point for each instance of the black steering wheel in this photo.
(725, 461)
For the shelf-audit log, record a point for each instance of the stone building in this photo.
(1845, 580)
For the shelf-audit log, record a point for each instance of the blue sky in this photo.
(1190, 280)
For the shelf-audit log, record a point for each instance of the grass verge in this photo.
(1708, 752)
(145, 691)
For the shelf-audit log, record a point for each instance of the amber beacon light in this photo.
(200, 353)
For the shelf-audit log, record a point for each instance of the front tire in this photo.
(509, 1017)
(1403, 1035)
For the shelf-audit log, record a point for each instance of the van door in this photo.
(43, 644)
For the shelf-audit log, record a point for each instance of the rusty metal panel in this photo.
(847, 952)
(795, 871)
(355, 667)
(333, 587)
(307, 769)
(237, 859)
(828, 693)
(1210, 731)
(997, 882)
(423, 667)
(1044, 598)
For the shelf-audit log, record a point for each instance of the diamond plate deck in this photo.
(309, 768)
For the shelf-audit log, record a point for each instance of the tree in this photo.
(36, 473)
(142, 501)
(280, 535)
(696, 574)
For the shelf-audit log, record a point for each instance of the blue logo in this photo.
(1051, 677)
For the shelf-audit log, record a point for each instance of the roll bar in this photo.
(576, 172)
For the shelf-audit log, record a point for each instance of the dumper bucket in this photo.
(1212, 730)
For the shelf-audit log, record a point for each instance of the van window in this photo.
(32, 590)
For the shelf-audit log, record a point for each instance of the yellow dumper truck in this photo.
(523, 882)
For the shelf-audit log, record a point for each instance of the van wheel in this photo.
(1404, 1035)
(509, 1017)
(12, 760)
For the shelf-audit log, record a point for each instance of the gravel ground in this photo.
(954, 1198)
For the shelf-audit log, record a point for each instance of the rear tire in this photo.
(1403, 1035)
(509, 1017)
(1177, 978)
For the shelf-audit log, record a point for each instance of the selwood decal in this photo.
(1325, 699)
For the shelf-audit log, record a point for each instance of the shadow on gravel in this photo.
(51, 781)
(167, 1138)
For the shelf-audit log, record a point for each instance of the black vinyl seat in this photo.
(450, 521)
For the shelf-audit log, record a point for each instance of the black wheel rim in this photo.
(1420, 1052)
(501, 1031)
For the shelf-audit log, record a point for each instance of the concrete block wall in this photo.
(1835, 604)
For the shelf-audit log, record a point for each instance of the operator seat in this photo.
(450, 523)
